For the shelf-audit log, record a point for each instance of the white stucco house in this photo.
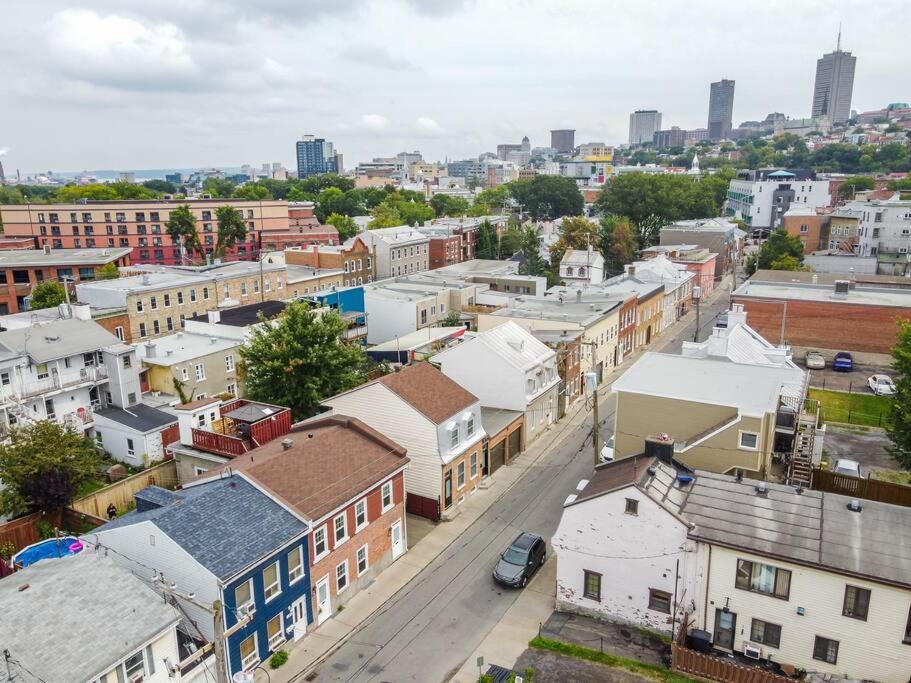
(582, 266)
(133, 435)
(507, 367)
(677, 281)
(809, 579)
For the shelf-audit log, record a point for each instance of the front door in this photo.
(725, 624)
(323, 601)
(299, 618)
(447, 490)
(398, 542)
(485, 460)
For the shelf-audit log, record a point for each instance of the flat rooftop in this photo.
(181, 347)
(893, 297)
(242, 316)
(296, 273)
(24, 258)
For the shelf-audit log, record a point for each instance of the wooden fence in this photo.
(121, 493)
(858, 487)
(24, 531)
(712, 668)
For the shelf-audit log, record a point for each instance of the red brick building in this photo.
(445, 250)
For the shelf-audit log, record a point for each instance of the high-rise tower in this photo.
(834, 84)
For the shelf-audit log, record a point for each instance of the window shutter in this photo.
(121, 677)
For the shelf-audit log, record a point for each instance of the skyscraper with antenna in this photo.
(834, 84)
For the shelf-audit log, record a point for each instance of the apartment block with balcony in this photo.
(884, 231)
(141, 225)
(63, 371)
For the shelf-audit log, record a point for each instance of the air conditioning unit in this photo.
(137, 677)
(752, 651)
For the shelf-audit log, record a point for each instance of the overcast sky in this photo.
(128, 84)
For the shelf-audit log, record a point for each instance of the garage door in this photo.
(515, 443)
(497, 456)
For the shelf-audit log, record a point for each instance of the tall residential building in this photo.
(642, 125)
(675, 137)
(834, 85)
(563, 140)
(721, 106)
(316, 155)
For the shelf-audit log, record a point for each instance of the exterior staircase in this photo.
(801, 468)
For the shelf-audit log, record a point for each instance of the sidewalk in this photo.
(520, 624)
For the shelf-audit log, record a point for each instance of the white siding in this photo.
(163, 647)
(389, 318)
(147, 447)
(597, 534)
(478, 369)
(378, 407)
(870, 649)
(133, 545)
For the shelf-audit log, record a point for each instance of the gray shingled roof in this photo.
(140, 417)
(78, 617)
(57, 339)
(225, 525)
(811, 527)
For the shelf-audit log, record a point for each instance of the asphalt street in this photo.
(436, 621)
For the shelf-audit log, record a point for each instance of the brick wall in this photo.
(822, 325)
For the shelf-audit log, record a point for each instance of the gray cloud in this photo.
(377, 57)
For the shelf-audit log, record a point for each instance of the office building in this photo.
(642, 126)
(721, 106)
(761, 198)
(563, 140)
(316, 155)
(674, 137)
(834, 85)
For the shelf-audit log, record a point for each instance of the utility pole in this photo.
(697, 295)
(592, 380)
(221, 671)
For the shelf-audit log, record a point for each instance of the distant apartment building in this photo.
(883, 231)
(22, 269)
(674, 137)
(466, 168)
(398, 251)
(718, 235)
(642, 126)
(563, 140)
(200, 364)
(761, 198)
(315, 156)
(353, 260)
(721, 108)
(834, 85)
(141, 225)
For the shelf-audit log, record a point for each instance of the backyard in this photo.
(852, 408)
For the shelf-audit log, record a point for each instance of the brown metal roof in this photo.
(330, 461)
(429, 391)
(615, 475)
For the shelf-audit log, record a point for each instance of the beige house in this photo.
(203, 365)
(398, 251)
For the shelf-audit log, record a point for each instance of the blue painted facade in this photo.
(264, 611)
(347, 300)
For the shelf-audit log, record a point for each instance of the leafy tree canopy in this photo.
(108, 271)
(231, 229)
(576, 232)
(547, 196)
(344, 224)
(182, 225)
(253, 191)
(384, 215)
(447, 205)
(854, 184)
(160, 186)
(781, 249)
(47, 294)
(899, 425)
(218, 188)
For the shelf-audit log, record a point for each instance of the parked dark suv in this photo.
(520, 561)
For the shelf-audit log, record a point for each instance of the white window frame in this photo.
(469, 425)
(357, 559)
(232, 389)
(200, 370)
(340, 589)
(317, 555)
(131, 448)
(230, 363)
(279, 638)
(251, 602)
(360, 505)
(299, 553)
(454, 437)
(276, 586)
(184, 374)
(253, 659)
(460, 475)
(473, 466)
(387, 487)
(335, 536)
(741, 433)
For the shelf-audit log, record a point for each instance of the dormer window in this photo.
(469, 425)
(453, 430)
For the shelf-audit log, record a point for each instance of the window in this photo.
(275, 631)
(167, 300)
(192, 295)
(200, 372)
(153, 303)
(340, 528)
(205, 292)
(857, 602)
(454, 436)
(231, 389)
(765, 633)
(361, 560)
(184, 374)
(763, 578)
(256, 286)
(473, 472)
(156, 327)
(341, 576)
(139, 305)
(320, 546)
(42, 371)
(660, 601)
(179, 298)
(460, 475)
(591, 588)
(271, 582)
(229, 363)
(243, 596)
(632, 506)
(749, 440)
(197, 470)
(243, 289)
(360, 514)
(386, 495)
(248, 655)
(825, 650)
(169, 323)
(804, 228)
(469, 425)
(134, 667)
(142, 329)
(295, 565)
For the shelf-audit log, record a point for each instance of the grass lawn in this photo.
(894, 476)
(658, 673)
(858, 409)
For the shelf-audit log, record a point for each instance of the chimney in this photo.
(841, 289)
(660, 446)
(717, 344)
(214, 316)
(815, 279)
(47, 250)
(150, 350)
(287, 444)
(736, 316)
(630, 269)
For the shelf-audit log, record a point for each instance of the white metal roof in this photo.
(511, 342)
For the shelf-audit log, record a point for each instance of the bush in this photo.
(45, 529)
(278, 659)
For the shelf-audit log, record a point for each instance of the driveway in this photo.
(855, 381)
(867, 447)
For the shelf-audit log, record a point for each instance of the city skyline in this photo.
(224, 84)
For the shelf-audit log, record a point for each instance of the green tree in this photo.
(447, 205)
(901, 184)
(618, 243)
(532, 263)
(899, 426)
(126, 190)
(73, 193)
(43, 466)
(547, 196)
(854, 184)
(414, 212)
(487, 246)
(219, 188)
(452, 319)
(510, 242)
(181, 226)
(344, 224)
(160, 186)
(231, 229)
(777, 249)
(334, 200)
(495, 197)
(384, 215)
(253, 192)
(108, 271)
(300, 360)
(576, 232)
(47, 294)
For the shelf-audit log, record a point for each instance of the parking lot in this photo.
(855, 381)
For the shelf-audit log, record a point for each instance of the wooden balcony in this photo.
(222, 444)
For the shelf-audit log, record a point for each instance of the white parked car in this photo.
(607, 451)
(850, 467)
(815, 360)
(881, 385)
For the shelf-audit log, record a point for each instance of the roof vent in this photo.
(841, 289)
(762, 489)
(146, 280)
(799, 490)
(287, 443)
(854, 505)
